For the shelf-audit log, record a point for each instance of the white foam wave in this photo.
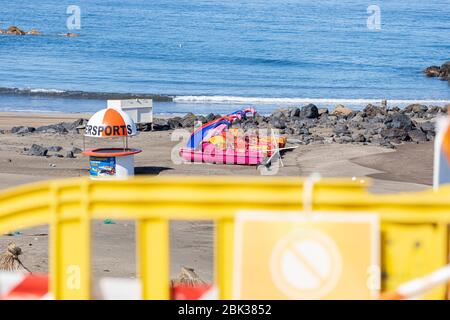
(288, 101)
(45, 90)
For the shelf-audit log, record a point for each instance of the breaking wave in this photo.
(38, 92)
(290, 101)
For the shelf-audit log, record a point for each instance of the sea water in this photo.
(216, 56)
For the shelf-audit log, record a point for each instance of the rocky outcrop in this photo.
(52, 151)
(13, 30)
(58, 128)
(373, 124)
(69, 34)
(34, 32)
(22, 130)
(16, 31)
(442, 72)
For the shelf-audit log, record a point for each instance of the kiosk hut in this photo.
(111, 162)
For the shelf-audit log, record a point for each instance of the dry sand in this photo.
(408, 168)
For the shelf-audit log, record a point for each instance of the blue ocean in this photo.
(214, 56)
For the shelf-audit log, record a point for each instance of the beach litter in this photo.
(188, 277)
(109, 221)
(10, 261)
(14, 234)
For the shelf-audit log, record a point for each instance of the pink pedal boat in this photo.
(198, 149)
(228, 156)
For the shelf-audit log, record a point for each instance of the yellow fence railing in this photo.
(410, 221)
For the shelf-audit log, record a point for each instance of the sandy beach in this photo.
(391, 170)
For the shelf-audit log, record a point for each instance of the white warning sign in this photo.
(306, 256)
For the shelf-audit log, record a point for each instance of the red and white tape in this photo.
(130, 289)
(23, 286)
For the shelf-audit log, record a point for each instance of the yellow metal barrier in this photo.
(68, 206)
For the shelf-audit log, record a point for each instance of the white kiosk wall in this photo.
(139, 110)
(125, 166)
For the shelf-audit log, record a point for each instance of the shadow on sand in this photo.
(150, 170)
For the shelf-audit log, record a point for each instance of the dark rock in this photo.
(356, 121)
(257, 118)
(417, 136)
(15, 31)
(307, 123)
(309, 111)
(315, 139)
(324, 118)
(387, 144)
(376, 139)
(302, 131)
(22, 130)
(399, 121)
(430, 135)
(323, 112)
(432, 71)
(358, 137)
(58, 155)
(175, 123)
(160, 124)
(37, 150)
(210, 117)
(341, 129)
(188, 121)
(395, 134)
(289, 130)
(445, 71)
(346, 139)
(427, 126)
(372, 125)
(294, 112)
(351, 115)
(278, 123)
(53, 128)
(416, 108)
(54, 148)
(434, 109)
(371, 111)
(76, 150)
(72, 126)
(279, 113)
(70, 154)
(442, 72)
(378, 118)
(202, 119)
